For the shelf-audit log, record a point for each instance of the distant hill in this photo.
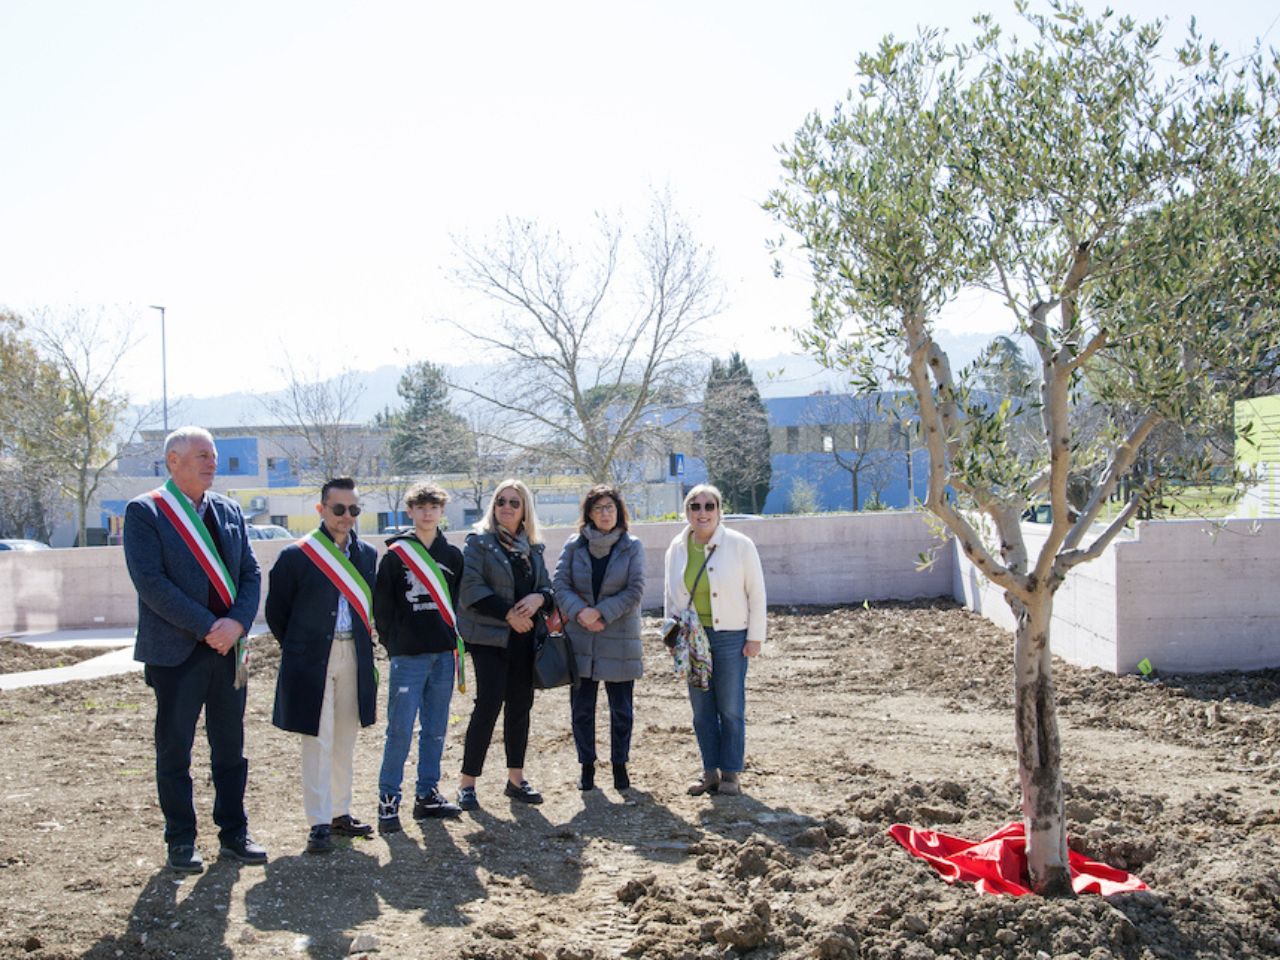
(782, 375)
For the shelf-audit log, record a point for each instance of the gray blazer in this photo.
(615, 653)
(487, 571)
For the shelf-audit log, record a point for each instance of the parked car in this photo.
(23, 545)
(269, 531)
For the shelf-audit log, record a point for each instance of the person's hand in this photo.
(596, 626)
(529, 605)
(588, 616)
(224, 633)
(518, 622)
(751, 648)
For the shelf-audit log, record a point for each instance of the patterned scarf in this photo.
(513, 543)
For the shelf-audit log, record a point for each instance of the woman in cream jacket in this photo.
(730, 601)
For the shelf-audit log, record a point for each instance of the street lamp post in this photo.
(164, 371)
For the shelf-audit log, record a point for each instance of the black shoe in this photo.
(620, 779)
(348, 826)
(389, 813)
(242, 847)
(434, 805)
(524, 793)
(320, 840)
(185, 858)
(588, 779)
(467, 799)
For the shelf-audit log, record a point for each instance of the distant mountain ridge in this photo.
(781, 375)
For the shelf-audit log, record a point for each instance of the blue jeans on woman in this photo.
(720, 713)
(421, 683)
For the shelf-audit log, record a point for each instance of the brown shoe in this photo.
(710, 783)
(729, 786)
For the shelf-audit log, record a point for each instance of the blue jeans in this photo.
(422, 683)
(720, 713)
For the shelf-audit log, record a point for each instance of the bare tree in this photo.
(579, 365)
(860, 436)
(77, 430)
(328, 441)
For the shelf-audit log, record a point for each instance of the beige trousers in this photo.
(327, 757)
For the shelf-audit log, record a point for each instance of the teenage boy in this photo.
(319, 607)
(413, 607)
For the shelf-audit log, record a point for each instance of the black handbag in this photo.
(554, 663)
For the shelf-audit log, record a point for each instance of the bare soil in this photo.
(857, 718)
(16, 657)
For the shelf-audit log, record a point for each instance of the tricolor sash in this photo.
(180, 512)
(333, 563)
(424, 567)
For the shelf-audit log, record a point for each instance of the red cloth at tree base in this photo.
(998, 864)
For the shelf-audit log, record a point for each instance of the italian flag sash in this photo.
(424, 567)
(173, 503)
(324, 553)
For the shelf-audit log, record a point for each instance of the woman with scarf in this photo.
(717, 571)
(505, 589)
(599, 584)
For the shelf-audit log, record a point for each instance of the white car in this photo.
(23, 545)
(269, 531)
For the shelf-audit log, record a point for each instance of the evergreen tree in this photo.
(427, 436)
(735, 436)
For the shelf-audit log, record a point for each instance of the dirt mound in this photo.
(857, 719)
(16, 657)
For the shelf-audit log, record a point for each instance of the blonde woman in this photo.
(717, 570)
(504, 589)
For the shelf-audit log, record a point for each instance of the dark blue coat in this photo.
(173, 589)
(302, 610)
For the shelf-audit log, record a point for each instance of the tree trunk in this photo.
(854, 475)
(1039, 750)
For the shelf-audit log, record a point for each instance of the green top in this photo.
(701, 596)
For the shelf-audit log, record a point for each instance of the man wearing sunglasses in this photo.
(319, 607)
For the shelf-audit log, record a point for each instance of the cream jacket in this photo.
(734, 575)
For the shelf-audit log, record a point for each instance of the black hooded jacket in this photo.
(407, 618)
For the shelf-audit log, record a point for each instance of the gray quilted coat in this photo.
(616, 652)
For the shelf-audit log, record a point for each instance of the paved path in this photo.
(118, 658)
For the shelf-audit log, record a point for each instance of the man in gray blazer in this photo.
(198, 586)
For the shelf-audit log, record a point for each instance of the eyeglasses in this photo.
(513, 502)
(699, 507)
(340, 509)
(604, 506)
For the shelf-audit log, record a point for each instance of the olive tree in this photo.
(1124, 207)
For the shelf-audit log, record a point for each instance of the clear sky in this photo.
(287, 175)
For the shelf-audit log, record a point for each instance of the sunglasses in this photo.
(513, 502)
(699, 507)
(340, 509)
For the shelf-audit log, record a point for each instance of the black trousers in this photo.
(504, 684)
(582, 705)
(204, 681)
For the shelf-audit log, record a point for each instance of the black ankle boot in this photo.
(588, 779)
(620, 779)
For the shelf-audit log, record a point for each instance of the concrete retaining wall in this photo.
(1189, 595)
(830, 558)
